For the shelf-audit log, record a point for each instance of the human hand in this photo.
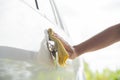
(67, 46)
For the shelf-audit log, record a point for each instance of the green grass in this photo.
(55, 75)
(107, 74)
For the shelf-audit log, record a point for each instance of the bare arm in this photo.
(99, 41)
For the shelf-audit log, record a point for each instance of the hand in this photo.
(67, 46)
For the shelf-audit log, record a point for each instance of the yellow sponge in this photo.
(62, 53)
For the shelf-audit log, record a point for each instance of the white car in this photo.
(24, 54)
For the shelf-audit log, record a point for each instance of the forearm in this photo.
(99, 41)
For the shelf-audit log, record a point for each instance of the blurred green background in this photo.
(106, 74)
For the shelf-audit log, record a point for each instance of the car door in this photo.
(23, 51)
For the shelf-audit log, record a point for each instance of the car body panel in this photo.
(23, 49)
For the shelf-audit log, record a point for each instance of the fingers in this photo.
(67, 46)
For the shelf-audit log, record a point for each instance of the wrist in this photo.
(78, 51)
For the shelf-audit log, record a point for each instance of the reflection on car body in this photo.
(23, 50)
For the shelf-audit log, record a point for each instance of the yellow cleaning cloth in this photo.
(62, 53)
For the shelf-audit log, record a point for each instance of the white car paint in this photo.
(22, 38)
